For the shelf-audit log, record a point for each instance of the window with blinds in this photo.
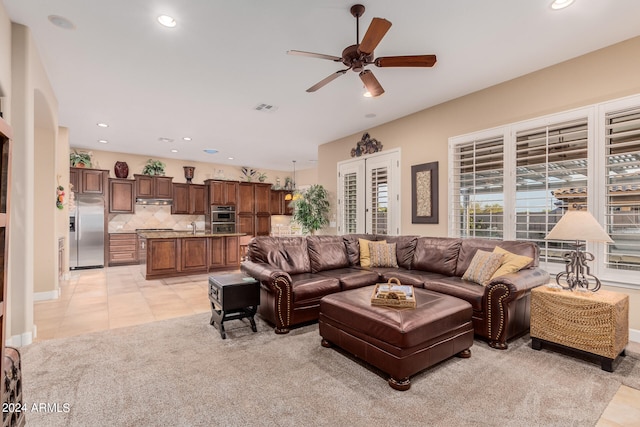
(349, 201)
(622, 169)
(379, 200)
(551, 177)
(478, 190)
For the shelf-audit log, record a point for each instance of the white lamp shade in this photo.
(578, 225)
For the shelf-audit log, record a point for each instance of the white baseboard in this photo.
(46, 296)
(634, 335)
(20, 340)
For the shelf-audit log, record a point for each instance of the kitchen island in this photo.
(178, 253)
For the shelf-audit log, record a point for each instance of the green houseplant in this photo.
(311, 208)
(154, 168)
(80, 160)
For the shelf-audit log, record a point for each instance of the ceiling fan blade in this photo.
(314, 55)
(376, 31)
(406, 61)
(326, 80)
(371, 83)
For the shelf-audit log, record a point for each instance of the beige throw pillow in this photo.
(365, 258)
(482, 267)
(511, 262)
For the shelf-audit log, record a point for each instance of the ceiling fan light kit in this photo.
(356, 57)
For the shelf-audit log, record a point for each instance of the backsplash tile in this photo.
(149, 216)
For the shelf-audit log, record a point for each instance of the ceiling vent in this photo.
(265, 108)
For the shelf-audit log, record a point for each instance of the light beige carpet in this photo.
(179, 372)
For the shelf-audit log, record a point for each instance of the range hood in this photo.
(156, 202)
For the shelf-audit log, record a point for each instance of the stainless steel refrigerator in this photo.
(86, 232)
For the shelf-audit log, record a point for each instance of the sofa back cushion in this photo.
(469, 247)
(327, 253)
(405, 249)
(289, 254)
(437, 255)
(353, 246)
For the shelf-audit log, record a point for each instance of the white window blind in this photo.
(551, 177)
(379, 200)
(622, 169)
(350, 205)
(478, 188)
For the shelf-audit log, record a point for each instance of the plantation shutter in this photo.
(379, 199)
(622, 169)
(551, 177)
(478, 188)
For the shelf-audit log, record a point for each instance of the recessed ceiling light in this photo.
(210, 150)
(174, 151)
(102, 125)
(370, 115)
(162, 139)
(167, 21)
(61, 22)
(560, 4)
(186, 138)
(229, 158)
(104, 141)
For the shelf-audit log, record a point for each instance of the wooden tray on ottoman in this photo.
(393, 294)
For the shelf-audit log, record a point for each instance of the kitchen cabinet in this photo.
(246, 198)
(121, 195)
(123, 248)
(254, 215)
(222, 192)
(263, 225)
(88, 181)
(188, 199)
(153, 187)
(262, 194)
(193, 254)
(278, 205)
(167, 256)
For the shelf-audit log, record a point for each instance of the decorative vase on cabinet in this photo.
(121, 169)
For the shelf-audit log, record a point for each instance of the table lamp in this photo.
(579, 226)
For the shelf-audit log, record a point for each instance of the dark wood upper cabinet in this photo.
(188, 199)
(246, 191)
(276, 204)
(153, 187)
(262, 198)
(88, 181)
(222, 192)
(121, 195)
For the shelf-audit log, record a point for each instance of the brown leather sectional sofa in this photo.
(296, 272)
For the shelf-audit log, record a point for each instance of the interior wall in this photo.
(29, 83)
(62, 178)
(5, 62)
(599, 76)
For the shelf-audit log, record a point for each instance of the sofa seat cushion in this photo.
(312, 287)
(406, 277)
(351, 278)
(327, 253)
(457, 287)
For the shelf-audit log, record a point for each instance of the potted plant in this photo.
(311, 208)
(80, 160)
(153, 168)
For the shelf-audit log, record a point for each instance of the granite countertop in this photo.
(183, 234)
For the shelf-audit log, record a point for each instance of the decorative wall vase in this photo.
(188, 173)
(121, 169)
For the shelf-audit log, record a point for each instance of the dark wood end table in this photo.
(233, 296)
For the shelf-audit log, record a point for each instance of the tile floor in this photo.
(114, 297)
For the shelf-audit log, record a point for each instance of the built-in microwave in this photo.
(223, 228)
(223, 214)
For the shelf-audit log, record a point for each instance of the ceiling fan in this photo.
(356, 57)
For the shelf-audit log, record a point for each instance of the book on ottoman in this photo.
(393, 294)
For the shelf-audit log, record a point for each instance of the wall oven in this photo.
(223, 219)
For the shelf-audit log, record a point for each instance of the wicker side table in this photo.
(596, 324)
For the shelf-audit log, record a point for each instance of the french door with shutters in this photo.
(369, 194)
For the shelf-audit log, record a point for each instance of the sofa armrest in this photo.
(278, 283)
(267, 274)
(500, 293)
(521, 282)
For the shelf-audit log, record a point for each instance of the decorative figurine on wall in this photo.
(366, 145)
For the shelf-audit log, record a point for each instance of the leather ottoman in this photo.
(399, 341)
